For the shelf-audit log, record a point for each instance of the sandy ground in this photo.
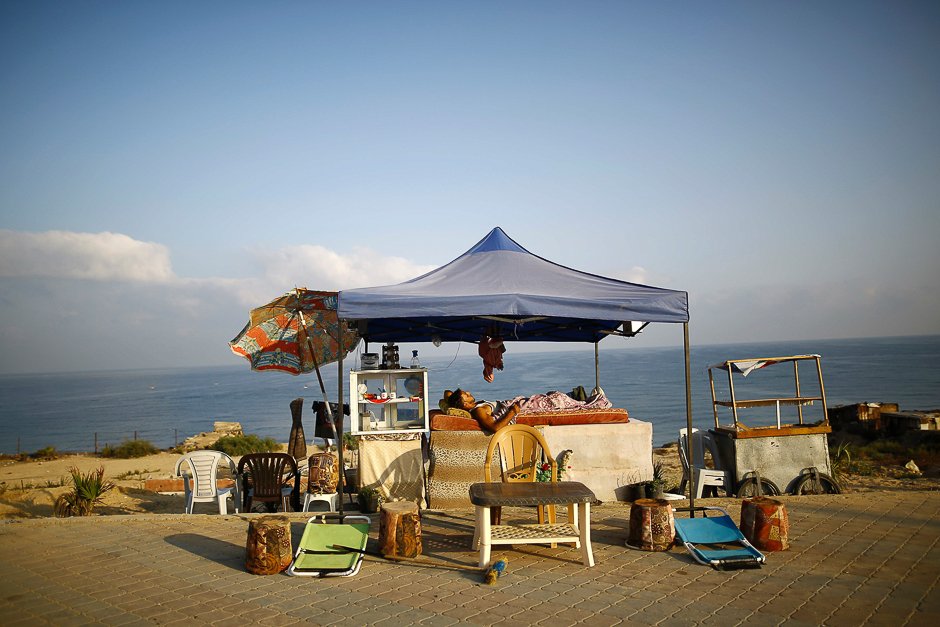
(28, 488)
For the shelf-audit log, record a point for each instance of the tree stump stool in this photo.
(399, 529)
(765, 524)
(652, 526)
(269, 545)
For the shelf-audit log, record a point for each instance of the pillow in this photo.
(462, 413)
(454, 411)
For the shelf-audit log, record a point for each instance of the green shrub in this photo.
(130, 449)
(87, 491)
(135, 474)
(885, 450)
(238, 445)
(46, 453)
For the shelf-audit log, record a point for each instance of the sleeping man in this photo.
(494, 415)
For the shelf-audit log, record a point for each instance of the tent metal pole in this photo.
(339, 440)
(688, 416)
(597, 370)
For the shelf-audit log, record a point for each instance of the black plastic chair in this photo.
(271, 478)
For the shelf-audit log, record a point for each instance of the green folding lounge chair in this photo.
(716, 541)
(316, 555)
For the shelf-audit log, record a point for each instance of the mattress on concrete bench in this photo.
(446, 422)
(605, 458)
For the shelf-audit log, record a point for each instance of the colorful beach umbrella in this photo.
(296, 333)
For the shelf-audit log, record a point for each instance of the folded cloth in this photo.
(491, 350)
(555, 401)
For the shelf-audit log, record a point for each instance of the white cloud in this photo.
(318, 267)
(636, 274)
(76, 301)
(90, 256)
(136, 313)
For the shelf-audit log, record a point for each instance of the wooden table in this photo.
(487, 495)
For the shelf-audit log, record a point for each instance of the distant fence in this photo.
(97, 440)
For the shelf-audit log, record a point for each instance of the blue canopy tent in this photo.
(498, 283)
(500, 288)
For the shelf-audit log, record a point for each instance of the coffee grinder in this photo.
(390, 357)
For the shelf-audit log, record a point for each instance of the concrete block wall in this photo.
(605, 457)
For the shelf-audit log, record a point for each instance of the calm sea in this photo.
(73, 412)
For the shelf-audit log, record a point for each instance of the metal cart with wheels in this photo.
(791, 454)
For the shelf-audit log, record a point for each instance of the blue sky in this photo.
(165, 166)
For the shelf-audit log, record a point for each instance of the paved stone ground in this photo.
(857, 559)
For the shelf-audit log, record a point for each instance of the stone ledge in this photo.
(176, 485)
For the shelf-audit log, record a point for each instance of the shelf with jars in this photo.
(388, 401)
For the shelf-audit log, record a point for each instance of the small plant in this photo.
(861, 468)
(238, 445)
(840, 462)
(134, 474)
(659, 472)
(655, 487)
(130, 449)
(543, 472)
(47, 453)
(369, 499)
(350, 442)
(88, 490)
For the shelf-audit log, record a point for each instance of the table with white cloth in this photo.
(394, 464)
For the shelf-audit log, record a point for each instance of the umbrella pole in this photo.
(326, 400)
(329, 410)
(316, 367)
(688, 414)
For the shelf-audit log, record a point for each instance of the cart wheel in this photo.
(808, 484)
(748, 488)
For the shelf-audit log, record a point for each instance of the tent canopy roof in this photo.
(500, 287)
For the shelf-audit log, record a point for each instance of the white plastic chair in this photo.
(201, 467)
(332, 500)
(700, 475)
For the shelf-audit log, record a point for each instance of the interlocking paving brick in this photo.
(854, 558)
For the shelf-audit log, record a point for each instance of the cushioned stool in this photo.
(322, 479)
(652, 526)
(765, 524)
(269, 545)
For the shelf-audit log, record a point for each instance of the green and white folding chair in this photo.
(316, 555)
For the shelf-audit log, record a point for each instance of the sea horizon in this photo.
(517, 348)
(79, 411)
